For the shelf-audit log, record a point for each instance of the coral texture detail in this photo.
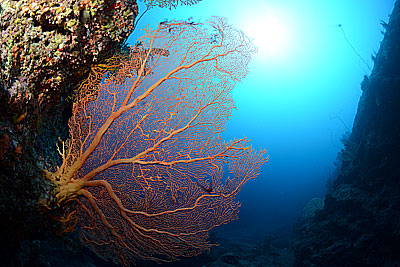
(145, 162)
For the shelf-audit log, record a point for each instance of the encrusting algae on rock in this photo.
(45, 43)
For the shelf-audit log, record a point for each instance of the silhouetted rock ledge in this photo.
(359, 224)
(47, 48)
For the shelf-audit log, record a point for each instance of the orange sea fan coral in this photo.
(170, 3)
(145, 164)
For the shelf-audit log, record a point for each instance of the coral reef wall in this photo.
(360, 222)
(47, 48)
(45, 43)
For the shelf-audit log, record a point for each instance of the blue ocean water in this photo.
(299, 97)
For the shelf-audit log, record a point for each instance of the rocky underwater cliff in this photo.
(47, 48)
(359, 224)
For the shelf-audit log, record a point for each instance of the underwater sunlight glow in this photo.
(270, 34)
(304, 75)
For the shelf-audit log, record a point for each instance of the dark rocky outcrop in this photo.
(47, 48)
(360, 222)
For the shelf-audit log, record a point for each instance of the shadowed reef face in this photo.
(359, 224)
(47, 48)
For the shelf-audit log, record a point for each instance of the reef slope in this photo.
(360, 222)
